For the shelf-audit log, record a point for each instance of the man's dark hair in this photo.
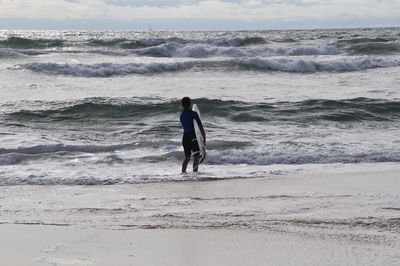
(186, 102)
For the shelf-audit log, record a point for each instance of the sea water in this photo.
(79, 109)
(84, 107)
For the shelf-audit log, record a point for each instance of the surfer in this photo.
(189, 141)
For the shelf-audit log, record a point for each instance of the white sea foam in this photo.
(324, 156)
(9, 53)
(53, 148)
(11, 158)
(196, 50)
(150, 152)
(315, 65)
(104, 69)
(299, 65)
(206, 50)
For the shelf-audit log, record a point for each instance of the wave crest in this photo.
(104, 69)
(206, 50)
(295, 65)
(309, 66)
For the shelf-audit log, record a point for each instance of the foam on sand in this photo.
(340, 219)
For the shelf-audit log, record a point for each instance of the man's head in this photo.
(186, 102)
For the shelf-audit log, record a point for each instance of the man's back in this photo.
(186, 118)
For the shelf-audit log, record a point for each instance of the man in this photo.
(189, 140)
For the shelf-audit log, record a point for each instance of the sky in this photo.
(197, 14)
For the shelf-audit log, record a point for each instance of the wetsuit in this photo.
(189, 140)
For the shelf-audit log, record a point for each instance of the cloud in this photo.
(243, 10)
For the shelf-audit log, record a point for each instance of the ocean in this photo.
(95, 115)
(102, 107)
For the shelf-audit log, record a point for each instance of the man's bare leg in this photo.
(196, 163)
(185, 164)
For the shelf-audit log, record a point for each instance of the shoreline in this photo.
(311, 219)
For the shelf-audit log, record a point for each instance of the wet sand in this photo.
(352, 219)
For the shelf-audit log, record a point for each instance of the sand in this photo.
(353, 219)
(54, 245)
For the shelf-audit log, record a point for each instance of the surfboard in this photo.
(199, 137)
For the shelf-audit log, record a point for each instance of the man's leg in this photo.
(196, 160)
(185, 164)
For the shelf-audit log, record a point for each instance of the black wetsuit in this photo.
(189, 140)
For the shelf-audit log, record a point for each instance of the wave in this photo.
(374, 48)
(227, 42)
(194, 50)
(213, 49)
(205, 50)
(369, 46)
(125, 43)
(311, 66)
(104, 69)
(280, 154)
(99, 108)
(298, 65)
(208, 44)
(364, 40)
(167, 47)
(199, 50)
(7, 53)
(150, 42)
(61, 148)
(18, 155)
(56, 148)
(133, 44)
(66, 181)
(285, 40)
(222, 156)
(237, 156)
(309, 111)
(25, 43)
(222, 153)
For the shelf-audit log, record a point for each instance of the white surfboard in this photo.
(199, 137)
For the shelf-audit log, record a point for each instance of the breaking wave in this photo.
(204, 51)
(230, 155)
(310, 66)
(323, 157)
(56, 148)
(298, 65)
(104, 69)
(124, 43)
(205, 44)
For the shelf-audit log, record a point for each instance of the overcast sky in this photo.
(197, 14)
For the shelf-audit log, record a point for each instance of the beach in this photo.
(76, 227)
(65, 246)
(303, 147)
